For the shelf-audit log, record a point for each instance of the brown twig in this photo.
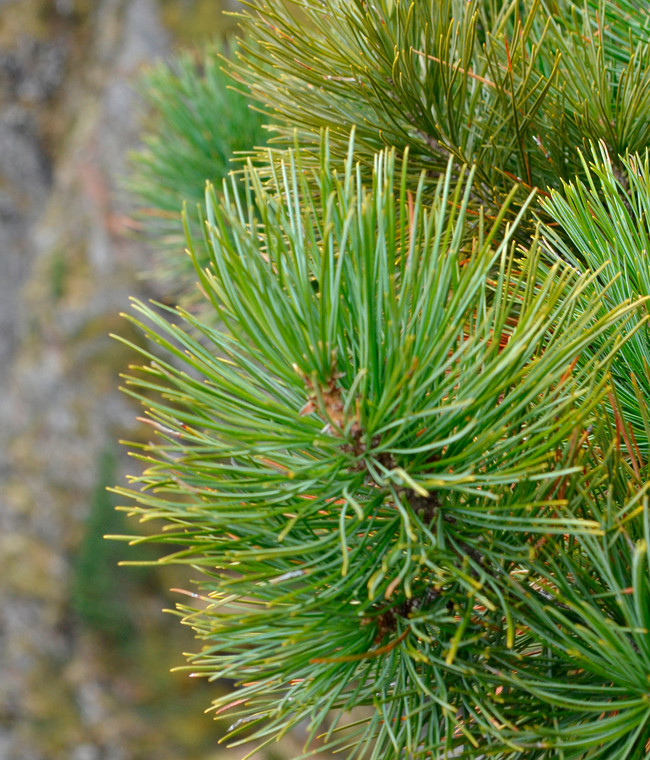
(364, 655)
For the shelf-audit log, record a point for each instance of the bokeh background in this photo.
(85, 647)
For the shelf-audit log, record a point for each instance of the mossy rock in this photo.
(195, 20)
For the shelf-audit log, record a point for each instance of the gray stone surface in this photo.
(66, 269)
(68, 116)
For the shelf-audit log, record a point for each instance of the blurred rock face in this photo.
(68, 115)
(31, 71)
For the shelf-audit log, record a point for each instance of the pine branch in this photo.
(365, 462)
(198, 122)
(605, 221)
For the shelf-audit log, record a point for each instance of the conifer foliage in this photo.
(404, 441)
(197, 123)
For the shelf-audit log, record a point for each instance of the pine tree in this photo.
(197, 123)
(407, 452)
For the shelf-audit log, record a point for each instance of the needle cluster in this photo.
(404, 440)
